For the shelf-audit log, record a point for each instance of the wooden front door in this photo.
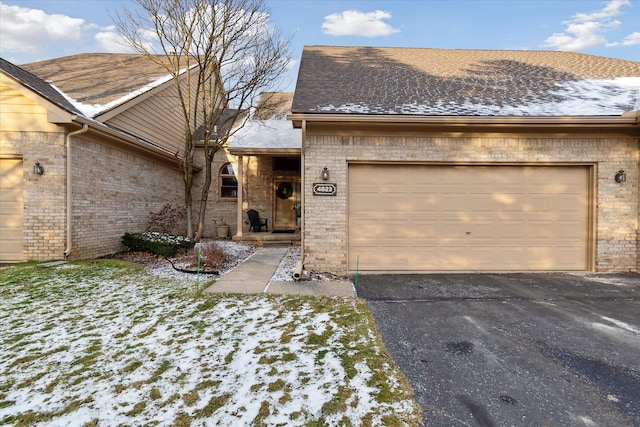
(286, 206)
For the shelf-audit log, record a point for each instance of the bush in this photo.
(169, 220)
(163, 244)
(213, 256)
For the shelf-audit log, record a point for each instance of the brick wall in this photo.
(325, 240)
(219, 210)
(114, 191)
(257, 186)
(44, 196)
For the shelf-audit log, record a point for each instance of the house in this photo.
(419, 160)
(90, 145)
(384, 159)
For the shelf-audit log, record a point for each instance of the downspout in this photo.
(67, 137)
(302, 185)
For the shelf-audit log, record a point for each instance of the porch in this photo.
(269, 238)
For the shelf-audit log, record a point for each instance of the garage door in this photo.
(11, 206)
(468, 218)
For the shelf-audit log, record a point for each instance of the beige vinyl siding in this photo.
(485, 218)
(11, 210)
(158, 119)
(19, 113)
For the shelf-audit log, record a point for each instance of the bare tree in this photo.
(220, 54)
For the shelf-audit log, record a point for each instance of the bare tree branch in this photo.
(221, 54)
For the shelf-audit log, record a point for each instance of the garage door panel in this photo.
(396, 229)
(451, 230)
(470, 217)
(559, 229)
(423, 229)
(11, 210)
(10, 173)
(452, 257)
(480, 229)
(498, 201)
(364, 204)
(370, 258)
(543, 258)
(509, 257)
(367, 230)
(396, 202)
(424, 198)
(452, 202)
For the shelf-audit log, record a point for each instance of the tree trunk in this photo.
(187, 169)
(205, 190)
(188, 204)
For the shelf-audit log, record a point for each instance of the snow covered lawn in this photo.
(105, 343)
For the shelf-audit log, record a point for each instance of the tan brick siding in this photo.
(44, 195)
(114, 192)
(219, 210)
(616, 220)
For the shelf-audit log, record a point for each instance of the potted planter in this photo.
(222, 230)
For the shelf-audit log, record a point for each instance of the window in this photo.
(228, 182)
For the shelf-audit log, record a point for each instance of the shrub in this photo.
(213, 256)
(170, 219)
(163, 244)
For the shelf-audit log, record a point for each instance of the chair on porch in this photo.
(256, 222)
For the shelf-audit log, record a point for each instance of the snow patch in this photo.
(589, 97)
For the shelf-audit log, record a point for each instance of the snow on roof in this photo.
(92, 110)
(590, 97)
(267, 134)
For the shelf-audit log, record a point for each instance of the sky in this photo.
(34, 30)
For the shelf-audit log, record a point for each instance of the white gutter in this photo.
(626, 119)
(67, 137)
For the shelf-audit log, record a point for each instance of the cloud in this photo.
(356, 23)
(585, 30)
(631, 40)
(25, 29)
(609, 11)
(113, 42)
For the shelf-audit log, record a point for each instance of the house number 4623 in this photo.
(324, 189)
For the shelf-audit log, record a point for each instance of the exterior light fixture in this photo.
(621, 176)
(38, 169)
(325, 174)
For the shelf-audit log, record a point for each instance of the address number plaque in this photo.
(324, 189)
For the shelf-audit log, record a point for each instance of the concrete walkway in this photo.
(254, 276)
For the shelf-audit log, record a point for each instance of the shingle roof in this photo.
(273, 105)
(369, 80)
(38, 85)
(98, 78)
(268, 128)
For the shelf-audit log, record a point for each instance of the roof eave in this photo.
(252, 151)
(624, 120)
(136, 143)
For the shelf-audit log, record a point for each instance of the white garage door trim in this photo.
(470, 217)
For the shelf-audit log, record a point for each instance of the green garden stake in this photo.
(357, 266)
(198, 279)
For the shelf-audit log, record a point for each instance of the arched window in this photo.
(228, 182)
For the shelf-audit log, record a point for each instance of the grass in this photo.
(103, 343)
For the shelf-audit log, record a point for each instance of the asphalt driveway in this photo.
(514, 349)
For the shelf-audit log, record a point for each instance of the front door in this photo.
(286, 204)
